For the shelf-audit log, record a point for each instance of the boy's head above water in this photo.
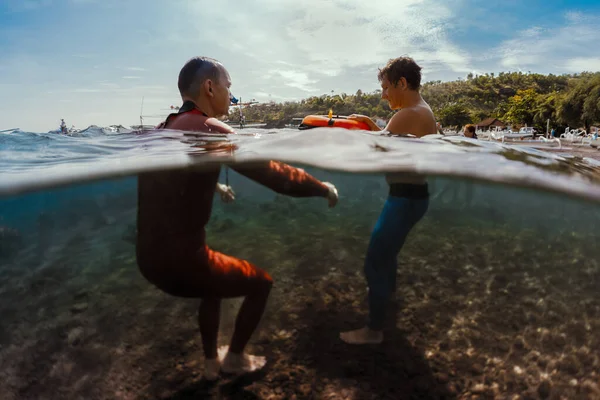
(206, 82)
(399, 77)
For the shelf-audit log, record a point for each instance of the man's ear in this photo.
(208, 87)
(403, 83)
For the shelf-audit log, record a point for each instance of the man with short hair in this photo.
(408, 198)
(175, 206)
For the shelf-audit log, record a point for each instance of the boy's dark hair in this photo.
(470, 128)
(401, 67)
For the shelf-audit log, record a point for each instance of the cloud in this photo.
(579, 64)
(323, 38)
(280, 50)
(17, 6)
(88, 90)
(554, 48)
(294, 49)
(86, 56)
(293, 78)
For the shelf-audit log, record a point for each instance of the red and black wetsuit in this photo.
(173, 210)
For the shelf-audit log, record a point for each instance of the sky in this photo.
(92, 61)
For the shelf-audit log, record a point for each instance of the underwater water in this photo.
(497, 293)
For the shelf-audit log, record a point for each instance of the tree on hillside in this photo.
(545, 109)
(478, 115)
(514, 97)
(581, 105)
(455, 114)
(521, 107)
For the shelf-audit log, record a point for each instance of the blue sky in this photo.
(91, 61)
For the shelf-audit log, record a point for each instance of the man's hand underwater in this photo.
(332, 196)
(226, 192)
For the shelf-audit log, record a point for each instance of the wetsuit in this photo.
(173, 210)
(404, 207)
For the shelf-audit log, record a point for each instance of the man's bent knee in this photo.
(266, 283)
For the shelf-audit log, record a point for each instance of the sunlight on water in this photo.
(46, 162)
(497, 286)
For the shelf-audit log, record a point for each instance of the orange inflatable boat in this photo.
(320, 121)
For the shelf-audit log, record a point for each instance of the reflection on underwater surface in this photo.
(34, 162)
(497, 295)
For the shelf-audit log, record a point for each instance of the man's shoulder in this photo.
(411, 120)
(218, 125)
(407, 116)
(199, 123)
(418, 111)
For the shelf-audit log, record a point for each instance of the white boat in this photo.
(525, 132)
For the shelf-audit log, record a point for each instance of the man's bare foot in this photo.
(362, 336)
(240, 363)
(212, 367)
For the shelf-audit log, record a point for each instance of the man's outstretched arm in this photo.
(287, 180)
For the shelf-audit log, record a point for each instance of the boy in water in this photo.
(408, 198)
(175, 206)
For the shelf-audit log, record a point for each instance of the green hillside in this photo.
(515, 98)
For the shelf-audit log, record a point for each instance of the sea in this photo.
(498, 286)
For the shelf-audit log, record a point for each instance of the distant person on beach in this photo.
(408, 198)
(439, 128)
(63, 126)
(175, 206)
(470, 131)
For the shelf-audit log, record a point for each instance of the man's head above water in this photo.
(398, 79)
(206, 82)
